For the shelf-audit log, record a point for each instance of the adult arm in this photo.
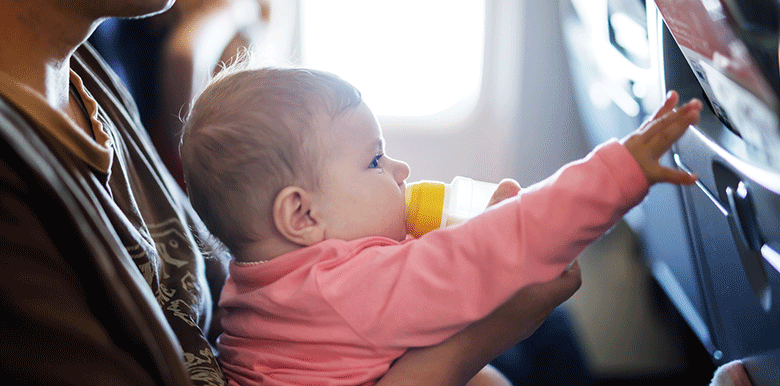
(456, 360)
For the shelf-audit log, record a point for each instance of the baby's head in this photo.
(276, 159)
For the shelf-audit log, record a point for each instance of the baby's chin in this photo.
(405, 236)
(399, 235)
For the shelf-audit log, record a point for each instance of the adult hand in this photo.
(456, 360)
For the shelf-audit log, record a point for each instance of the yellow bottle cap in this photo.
(424, 205)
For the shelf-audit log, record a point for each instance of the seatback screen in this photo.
(732, 48)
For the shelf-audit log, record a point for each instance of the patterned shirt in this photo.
(137, 209)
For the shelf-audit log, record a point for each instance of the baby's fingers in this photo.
(507, 188)
(669, 104)
(674, 176)
(651, 141)
(665, 131)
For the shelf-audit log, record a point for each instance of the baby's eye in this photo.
(375, 162)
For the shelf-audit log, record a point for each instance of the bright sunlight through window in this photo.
(407, 57)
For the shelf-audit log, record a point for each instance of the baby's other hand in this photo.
(656, 136)
(507, 188)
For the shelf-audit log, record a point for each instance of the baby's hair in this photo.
(250, 134)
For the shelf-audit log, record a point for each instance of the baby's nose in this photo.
(400, 171)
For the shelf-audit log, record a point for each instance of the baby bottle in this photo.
(432, 204)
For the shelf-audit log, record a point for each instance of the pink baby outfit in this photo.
(340, 312)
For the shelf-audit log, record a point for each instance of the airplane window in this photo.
(407, 57)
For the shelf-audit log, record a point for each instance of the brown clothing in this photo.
(102, 275)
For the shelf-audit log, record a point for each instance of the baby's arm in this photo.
(474, 268)
(446, 364)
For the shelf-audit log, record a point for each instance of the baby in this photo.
(287, 167)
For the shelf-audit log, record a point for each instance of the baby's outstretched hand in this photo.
(656, 136)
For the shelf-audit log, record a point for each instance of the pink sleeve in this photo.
(422, 291)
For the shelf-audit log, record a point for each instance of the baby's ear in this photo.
(293, 219)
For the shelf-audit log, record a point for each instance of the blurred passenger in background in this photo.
(165, 59)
